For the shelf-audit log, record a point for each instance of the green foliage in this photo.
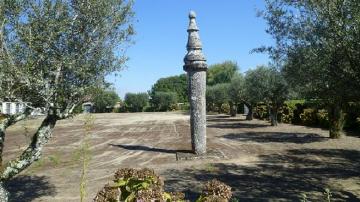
(320, 46)
(317, 45)
(216, 96)
(132, 185)
(261, 111)
(221, 73)
(237, 89)
(225, 108)
(135, 102)
(61, 50)
(308, 117)
(104, 100)
(267, 85)
(174, 84)
(164, 101)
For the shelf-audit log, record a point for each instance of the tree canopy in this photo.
(163, 101)
(221, 73)
(318, 45)
(51, 54)
(176, 84)
(104, 100)
(136, 102)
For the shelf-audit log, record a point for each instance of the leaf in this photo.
(130, 198)
(166, 196)
(121, 183)
(145, 185)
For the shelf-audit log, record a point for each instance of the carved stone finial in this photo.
(192, 14)
(194, 59)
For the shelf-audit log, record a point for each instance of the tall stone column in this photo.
(195, 66)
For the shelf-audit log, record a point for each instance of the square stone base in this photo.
(210, 154)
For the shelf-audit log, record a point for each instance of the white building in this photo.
(11, 107)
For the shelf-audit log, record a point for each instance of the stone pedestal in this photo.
(195, 66)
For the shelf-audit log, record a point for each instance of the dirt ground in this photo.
(262, 163)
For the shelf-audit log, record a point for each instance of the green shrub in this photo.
(144, 185)
(308, 117)
(136, 102)
(164, 101)
(225, 108)
(261, 112)
(323, 118)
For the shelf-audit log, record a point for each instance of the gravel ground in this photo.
(262, 163)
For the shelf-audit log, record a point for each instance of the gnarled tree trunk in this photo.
(233, 109)
(273, 115)
(4, 194)
(337, 119)
(29, 155)
(249, 115)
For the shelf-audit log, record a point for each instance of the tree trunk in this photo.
(219, 108)
(233, 109)
(336, 118)
(273, 116)
(4, 194)
(249, 116)
(32, 152)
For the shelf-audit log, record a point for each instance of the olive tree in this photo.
(318, 45)
(136, 102)
(163, 101)
(265, 84)
(217, 95)
(221, 73)
(236, 92)
(51, 53)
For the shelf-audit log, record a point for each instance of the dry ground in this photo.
(262, 163)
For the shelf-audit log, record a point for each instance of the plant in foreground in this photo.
(132, 185)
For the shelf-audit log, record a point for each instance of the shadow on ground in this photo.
(227, 122)
(236, 125)
(278, 177)
(151, 149)
(223, 118)
(25, 188)
(280, 137)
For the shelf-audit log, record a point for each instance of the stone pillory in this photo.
(195, 66)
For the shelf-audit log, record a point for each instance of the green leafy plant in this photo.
(303, 197)
(136, 185)
(327, 194)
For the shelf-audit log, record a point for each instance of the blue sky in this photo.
(229, 30)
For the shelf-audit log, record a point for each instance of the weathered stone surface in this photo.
(210, 154)
(195, 65)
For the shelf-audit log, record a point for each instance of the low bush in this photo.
(308, 117)
(261, 112)
(164, 101)
(145, 185)
(225, 108)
